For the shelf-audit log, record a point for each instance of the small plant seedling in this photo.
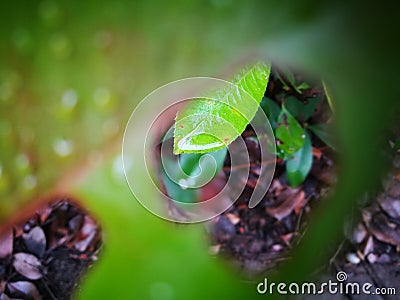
(201, 127)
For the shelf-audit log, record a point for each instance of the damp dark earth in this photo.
(46, 256)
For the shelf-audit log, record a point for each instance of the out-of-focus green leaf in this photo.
(176, 192)
(298, 166)
(289, 82)
(196, 169)
(303, 86)
(272, 110)
(212, 123)
(289, 134)
(190, 162)
(323, 132)
(396, 145)
(142, 253)
(301, 111)
(289, 78)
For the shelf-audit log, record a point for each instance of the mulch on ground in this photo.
(46, 256)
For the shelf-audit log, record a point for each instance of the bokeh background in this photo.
(71, 72)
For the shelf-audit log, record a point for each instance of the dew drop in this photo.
(353, 258)
(183, 184)
(69, 98)
(63, 147)
(29, 182)
(118, 168)
(199, 141)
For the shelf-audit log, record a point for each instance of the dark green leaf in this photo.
(196, 169)
(288, 80)
(272, 110)
(290, 135)
(323, 132)
(213, 122)
(286, 77)
(298, 167)
(190, 162)
(176, 192)
(300, 110)
(396, 145)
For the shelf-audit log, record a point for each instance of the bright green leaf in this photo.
(289, 134)
(303, 86)
(323, 132)
(298, 167)
(213, 122)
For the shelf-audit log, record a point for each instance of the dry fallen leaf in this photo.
(24, 289)
(391, 206)
(316, 152)
(287, 238)
(382, 229)
(6, 244)
(35, 241)
(233, 218)
(28, 265)
(88, 233)
(4, 297)
(287, 205)
(2, 286)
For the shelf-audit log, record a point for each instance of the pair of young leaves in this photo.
(202, 126)
(293, 142)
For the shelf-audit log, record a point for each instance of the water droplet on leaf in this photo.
(29, 182)
(200, 141)
(63, 147)
(69, 98)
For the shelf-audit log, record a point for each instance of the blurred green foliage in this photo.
(182, 175)
(71, 72)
